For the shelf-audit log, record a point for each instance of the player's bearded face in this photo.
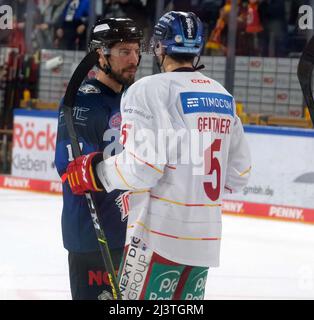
(124, 59)
(124, 76)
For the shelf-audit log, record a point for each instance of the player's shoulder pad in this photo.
(219, 87)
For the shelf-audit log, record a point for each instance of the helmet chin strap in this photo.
(159, 64)
(139, 60)
(107, 68)
(196, 67)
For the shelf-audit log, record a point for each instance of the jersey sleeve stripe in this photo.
(187, 204)
(147, 163)
(245, 172)
(121, 176)
(141, 224)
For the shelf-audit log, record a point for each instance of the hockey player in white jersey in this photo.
(184, 147)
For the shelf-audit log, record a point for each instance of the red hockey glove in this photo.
(81, 173)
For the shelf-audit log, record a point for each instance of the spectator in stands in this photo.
(273, 18)
(16, 38)
(50, 15)
(217, 41)
(2, 73)
(253, 28)
(71, 33)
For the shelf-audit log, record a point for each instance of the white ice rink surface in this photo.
(260, 259)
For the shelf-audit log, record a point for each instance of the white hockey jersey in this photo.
(184, 147)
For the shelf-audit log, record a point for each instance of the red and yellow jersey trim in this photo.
(121, 175)
(141, 224)
(147, 163)
(186, 204)
(245, 172)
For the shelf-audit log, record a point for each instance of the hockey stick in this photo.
(68, 104)
(305, 70)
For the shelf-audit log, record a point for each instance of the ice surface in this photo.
(260, 259)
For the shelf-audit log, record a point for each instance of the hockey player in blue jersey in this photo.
(97, 122)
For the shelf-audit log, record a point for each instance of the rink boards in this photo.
(281, 185)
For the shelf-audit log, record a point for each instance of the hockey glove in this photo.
(81, 173)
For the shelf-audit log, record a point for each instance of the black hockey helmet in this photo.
(107, 32)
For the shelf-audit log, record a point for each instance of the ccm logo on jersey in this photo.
(198, 81)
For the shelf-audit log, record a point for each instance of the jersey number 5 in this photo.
(212, 165)
(124, 133)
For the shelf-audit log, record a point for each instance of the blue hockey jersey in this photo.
(97, 122)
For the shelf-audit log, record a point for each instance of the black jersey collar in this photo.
(184, 69)
(104, 88)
